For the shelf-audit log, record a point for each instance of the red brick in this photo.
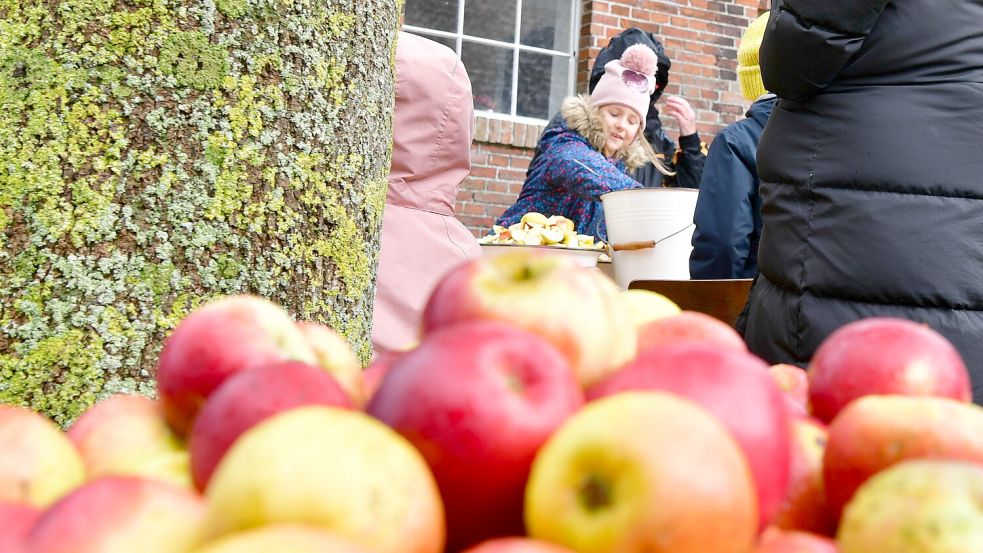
(506, 174)
(501, 149)
(520, 162)
(471, 208)
(493, 198)
(483, 171)
(497, 186)
(505, 136)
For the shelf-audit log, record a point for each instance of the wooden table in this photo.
(723, 299)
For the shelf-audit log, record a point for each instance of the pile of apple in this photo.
(536, 229)
(543, 411)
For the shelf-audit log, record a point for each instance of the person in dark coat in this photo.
(871, 174)
(728, 209)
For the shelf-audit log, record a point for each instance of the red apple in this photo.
(249, 397)
(15, 521)
(688, 326)
(478, 400)
(774, 540)
(876, 432)
(804, 506)
(577, 309)
(38, 463)
(218, 340)
(517, 545)
(119, 514)
(794, 382)
(927, 506)
(735, 386)
(127, 434)
(884, 356)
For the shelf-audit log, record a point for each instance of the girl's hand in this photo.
(683, 113)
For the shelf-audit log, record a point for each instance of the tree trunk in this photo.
(155, 154)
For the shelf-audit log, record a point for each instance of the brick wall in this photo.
(700, 37)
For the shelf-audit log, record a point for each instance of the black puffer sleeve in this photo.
(808, 42)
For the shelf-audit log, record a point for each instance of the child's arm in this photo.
(583, 171)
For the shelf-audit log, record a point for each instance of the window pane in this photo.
(494, 20)
(432, 14)
(543, 82)
(448, 42)
(546, 24)
(490, 69)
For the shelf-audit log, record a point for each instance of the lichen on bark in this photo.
(155, 154)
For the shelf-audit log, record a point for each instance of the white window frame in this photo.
(515, 46)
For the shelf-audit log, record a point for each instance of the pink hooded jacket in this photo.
(421, 240)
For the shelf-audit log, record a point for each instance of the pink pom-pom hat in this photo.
(629, 81)
(640, 58)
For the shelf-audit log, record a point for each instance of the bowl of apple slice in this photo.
(540, 234)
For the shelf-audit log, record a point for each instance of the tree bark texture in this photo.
(156, 154)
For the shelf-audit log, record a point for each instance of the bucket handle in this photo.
(645, 244)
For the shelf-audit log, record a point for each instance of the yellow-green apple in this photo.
(282, 538)
(120, 514)
(642, 471)
(517, 545)
(794, 382)
(218, 340)
(38, 463)
(645, 306)
(927, 506)
(688, 326)
(577, 309)
(333, 468)
(127, 434)
(733, 385)
(775, 540)
(247, 398)
(875, 432)
(804, 506)
(478, 399)
(883, 355)
(336, 356)
(15, 520)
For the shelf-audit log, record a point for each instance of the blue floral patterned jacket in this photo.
(568, 174)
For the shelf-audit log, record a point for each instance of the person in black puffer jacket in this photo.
(871, 174)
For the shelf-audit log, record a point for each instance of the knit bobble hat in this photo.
(748, 70)
(628, 81)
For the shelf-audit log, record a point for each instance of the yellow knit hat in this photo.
(748, 70)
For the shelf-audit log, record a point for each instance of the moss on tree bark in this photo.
(155, 154)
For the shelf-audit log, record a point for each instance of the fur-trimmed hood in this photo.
(583, 117)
